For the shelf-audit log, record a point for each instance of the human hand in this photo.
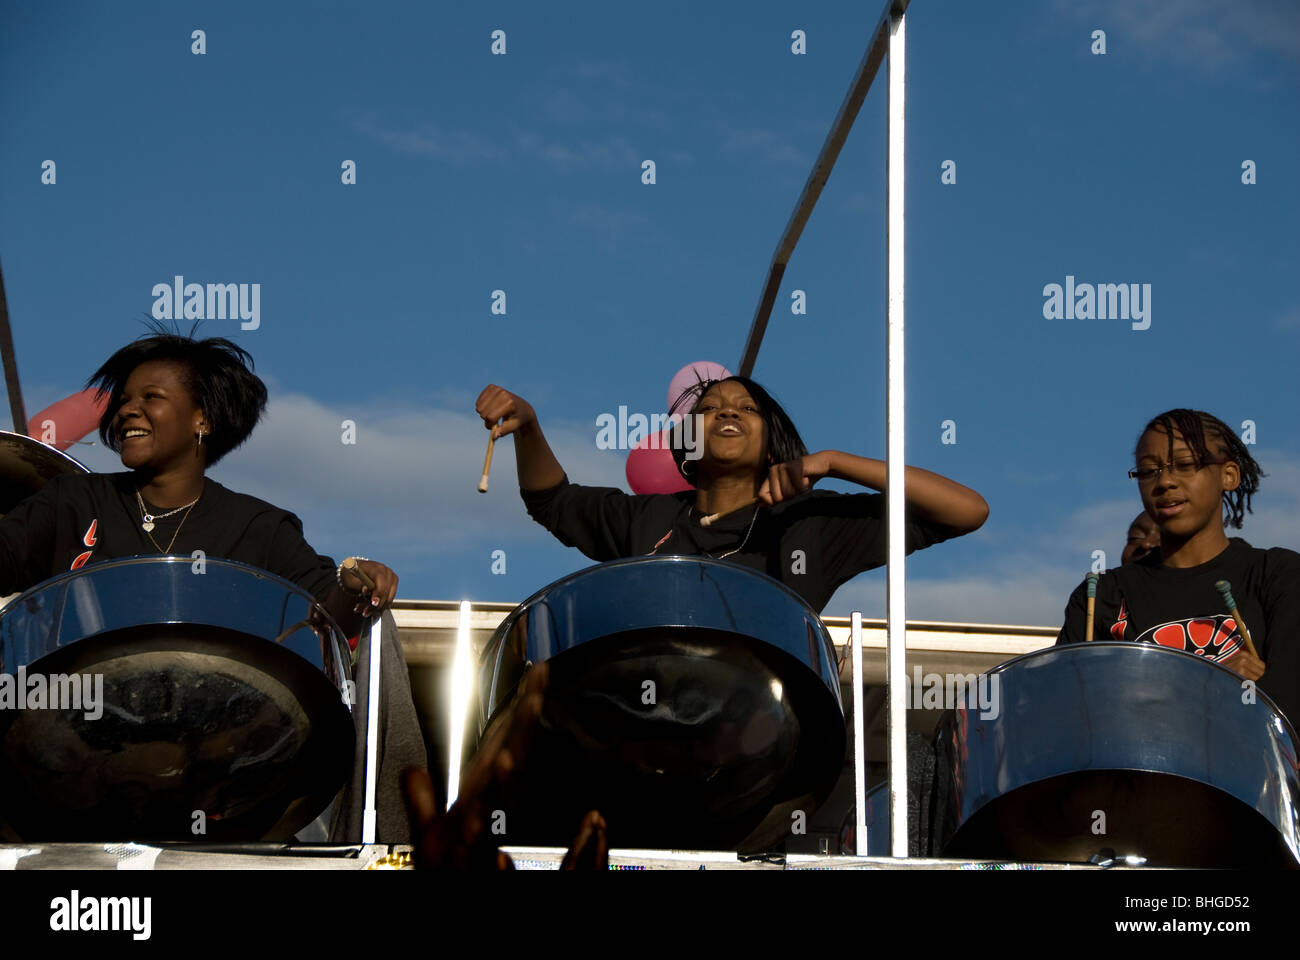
(503, 411)
(376, 583)
(1247, 666)
(787, 480)
(462, 838)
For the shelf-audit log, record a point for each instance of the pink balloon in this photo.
(690, 375)
(72, 417)
(653, 470)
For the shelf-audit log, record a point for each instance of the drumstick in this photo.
(1225, 591)
(711, 518)
(351, 564)
(1092, 605)
(487, 463)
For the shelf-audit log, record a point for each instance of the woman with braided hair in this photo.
(1195, 476)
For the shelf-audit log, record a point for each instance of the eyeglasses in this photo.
(1184, 468)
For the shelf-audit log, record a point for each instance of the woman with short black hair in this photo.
(177, 406)
(753, 501)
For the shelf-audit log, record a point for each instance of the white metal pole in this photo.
(369, 816)
(859, 749)
(896, 635)
(461, 685)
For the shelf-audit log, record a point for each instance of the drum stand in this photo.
(859, 751)
(897, 711)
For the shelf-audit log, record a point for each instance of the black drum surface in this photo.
(739, 746)
(206, 734)
(1168, 821)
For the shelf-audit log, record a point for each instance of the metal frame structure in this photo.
(887, 39)
(896, 608)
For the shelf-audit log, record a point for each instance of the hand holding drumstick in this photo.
(505, 413)
(376, 583)
(1246, 661)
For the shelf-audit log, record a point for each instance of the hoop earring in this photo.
(684, 474)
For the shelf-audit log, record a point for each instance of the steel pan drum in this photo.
(1152, 745)
(694, 702)
(223, 692)
(26, 465)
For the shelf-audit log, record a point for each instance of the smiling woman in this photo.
(753, 501)
(176, 407)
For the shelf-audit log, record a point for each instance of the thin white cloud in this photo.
(1026, 595)
(408, 484)
(607, 224)
(465, 148)
(1206, 33)
(1275, 521)
(457, 147)
(766, 145)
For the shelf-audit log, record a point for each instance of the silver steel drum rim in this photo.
(1241, 767)
(20, 441)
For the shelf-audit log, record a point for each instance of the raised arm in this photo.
(506, 413)
(930, 496)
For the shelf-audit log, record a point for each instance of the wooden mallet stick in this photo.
(351, 564)
(487, 463)
(1225, 591)
(1092, 605)
(714, 517)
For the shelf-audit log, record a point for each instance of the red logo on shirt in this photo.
(1121, 625)
(1215, 637)
(89, 540)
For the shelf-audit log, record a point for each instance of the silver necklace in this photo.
(742, 542)
(149, 518)
(723, 556)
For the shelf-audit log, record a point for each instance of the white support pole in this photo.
(859, 733)
(896, 636)
(462, 683)
(369, 816)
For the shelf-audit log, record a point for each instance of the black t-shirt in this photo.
(1181, 608)
(812, 543)
(88, 518)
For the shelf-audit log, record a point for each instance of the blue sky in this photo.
(522, 172)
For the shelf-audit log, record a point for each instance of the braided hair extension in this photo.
(1198, 429)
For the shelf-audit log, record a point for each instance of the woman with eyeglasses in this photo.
(1195, 475)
